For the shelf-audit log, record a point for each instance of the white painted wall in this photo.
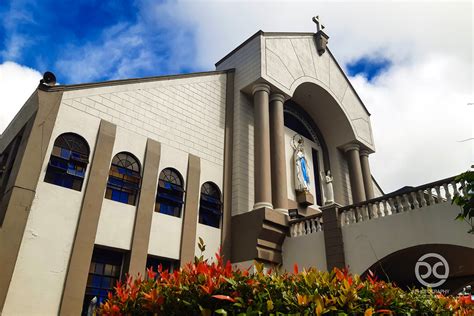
(211, 235)
(307, 251)
(117, 219)
(247, 64)
(38, 279)
(184, 113)
(290, 60)
(366, 242)
(290, 164)
(166, 230)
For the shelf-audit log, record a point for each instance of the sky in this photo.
(411, 62)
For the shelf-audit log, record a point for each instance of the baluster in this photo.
(446, 191)
(438, 193)
(399, 204)
(295, 229)
(430, 196)
(421, 194)
(302, 230)
(392, 206)
(360, 217)
(406, 203)
(304, 227)
(383, 208)
(454, 184)
(464, 188)
(372, 210)
(313, 225)
(350, 216)
(415, 200)
(380, 211)
(318, 224)
(353, 215)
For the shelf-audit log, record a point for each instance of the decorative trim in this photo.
(364, 152)
(350, 147)
(260, 87)
(277, 97)
(84, 240)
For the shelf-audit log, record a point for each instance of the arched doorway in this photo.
(445, 268)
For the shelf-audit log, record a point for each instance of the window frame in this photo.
(170, 193)
(68, 161)
(206, 203)
(123, 182)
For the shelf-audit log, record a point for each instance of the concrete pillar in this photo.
(277, 137)
(333, 240)
(366, 174)
(355, 173)
(262, 169)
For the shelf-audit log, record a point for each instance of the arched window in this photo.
(124, 179)
(210, 205)
(68, 162)
(169, 198)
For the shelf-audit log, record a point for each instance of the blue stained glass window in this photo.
(104, 272)
(170, 194)
(124, 180)
(210, 206)
(68, 161)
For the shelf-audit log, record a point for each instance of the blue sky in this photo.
(88, 40)
(414, 86)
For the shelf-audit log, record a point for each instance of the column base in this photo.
(281, 210)
(259, 205)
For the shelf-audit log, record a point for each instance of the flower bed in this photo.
(203, 288)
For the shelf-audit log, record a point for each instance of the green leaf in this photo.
(220, 311)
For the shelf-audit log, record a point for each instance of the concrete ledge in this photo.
(258, 235)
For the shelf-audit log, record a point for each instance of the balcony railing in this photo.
(400, 201)
(442, 191)
(307, 225)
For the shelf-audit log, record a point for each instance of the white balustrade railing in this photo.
(306, 226)
(442, 191)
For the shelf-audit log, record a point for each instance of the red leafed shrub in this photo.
(215, 288)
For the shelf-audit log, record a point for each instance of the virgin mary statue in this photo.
(302, 181)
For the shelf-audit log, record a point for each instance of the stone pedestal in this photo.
(304, 198)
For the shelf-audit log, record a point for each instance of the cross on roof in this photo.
(319, 25)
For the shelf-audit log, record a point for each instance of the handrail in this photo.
(299, 220)
(398, 193)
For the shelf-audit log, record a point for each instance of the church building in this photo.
(265, 158)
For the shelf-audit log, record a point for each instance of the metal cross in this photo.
(319, 25)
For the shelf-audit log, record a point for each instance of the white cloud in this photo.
(17, 83)
(419, 107)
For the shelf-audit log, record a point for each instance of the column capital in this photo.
(350, 147)
(260, 87)
(276, 96)
(364, 152)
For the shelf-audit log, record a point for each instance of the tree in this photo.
(466, 201)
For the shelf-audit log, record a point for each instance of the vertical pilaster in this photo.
(333, 240)
(366, 174)
(21, 186)
(81, 255)
(228, 162)
(262, 167)
(146, 205)
(278, 159)
(190, 217)
(355, 173)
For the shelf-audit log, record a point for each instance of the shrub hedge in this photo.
(216, 288)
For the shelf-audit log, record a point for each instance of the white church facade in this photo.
(107, 178)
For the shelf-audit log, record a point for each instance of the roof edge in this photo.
(258, 33)
(130, 81)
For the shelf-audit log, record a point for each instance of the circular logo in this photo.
(432, 270)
